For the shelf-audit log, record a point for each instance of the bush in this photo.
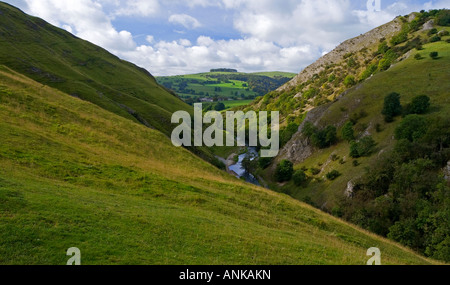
(369, 71)
(287, 133)
(315, 171)
(392, 107)
(433, 31)
(418, 56)
(419, 105)
(348, 133)
(363, 148)
(412, 128)
(219, 107)
(384, 64)
(349, 81)
(400, 38)
(333, 175)
(434, 55)
(435, 39)
(284, 171)
(264, 162)
(320, 138)
(299, 177)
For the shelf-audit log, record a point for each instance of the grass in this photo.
(75, 175)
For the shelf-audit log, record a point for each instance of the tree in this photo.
(219, 107)
(333, 175)
(392, 107)
(299, 177)
(434, 55)
(348, 133)
(412, 128)
(419, 105)
(249, 163)
(284, 171)
(362, 148)
(309, 129)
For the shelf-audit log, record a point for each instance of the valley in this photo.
(87, 160)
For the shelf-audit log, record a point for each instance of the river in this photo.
(240, 171)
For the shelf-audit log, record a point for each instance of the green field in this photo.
(224, 85)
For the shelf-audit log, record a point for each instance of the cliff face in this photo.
(337, 55)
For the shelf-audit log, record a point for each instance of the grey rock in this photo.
(428, 25)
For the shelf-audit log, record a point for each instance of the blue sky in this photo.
(170, 37)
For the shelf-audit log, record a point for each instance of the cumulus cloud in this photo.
(268, 35)
(84, 18)
(142, 8)
(187, 21)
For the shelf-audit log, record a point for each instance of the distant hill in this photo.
(224, 84)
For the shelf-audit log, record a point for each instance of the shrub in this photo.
(315, 171)
(299, 177)
(219, 107)
(392, 107)
(320, 138)
(348, 133)
(364, 147)
(433, 31)
(356, 163)
(435, 39)
(284, 171)
(412, 128)
(349, 81)
(369, 71)
(434, 55)
(383, 48)
(333, 175)
(264, 162)
(287, 133)
(400, 38)
(419, 105)
(384, 64)
(418, 56)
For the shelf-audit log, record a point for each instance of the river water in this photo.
(240, 171)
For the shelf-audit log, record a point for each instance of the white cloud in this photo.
(141, 8)
(187, 21)
(86, 19)
(274, 35)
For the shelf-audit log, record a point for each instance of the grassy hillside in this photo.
(236, 86)
(409, 78)
(56, 58)
(75, 175)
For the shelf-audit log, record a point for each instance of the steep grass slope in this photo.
(56, 58)
(75, 175)
(409, 78)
